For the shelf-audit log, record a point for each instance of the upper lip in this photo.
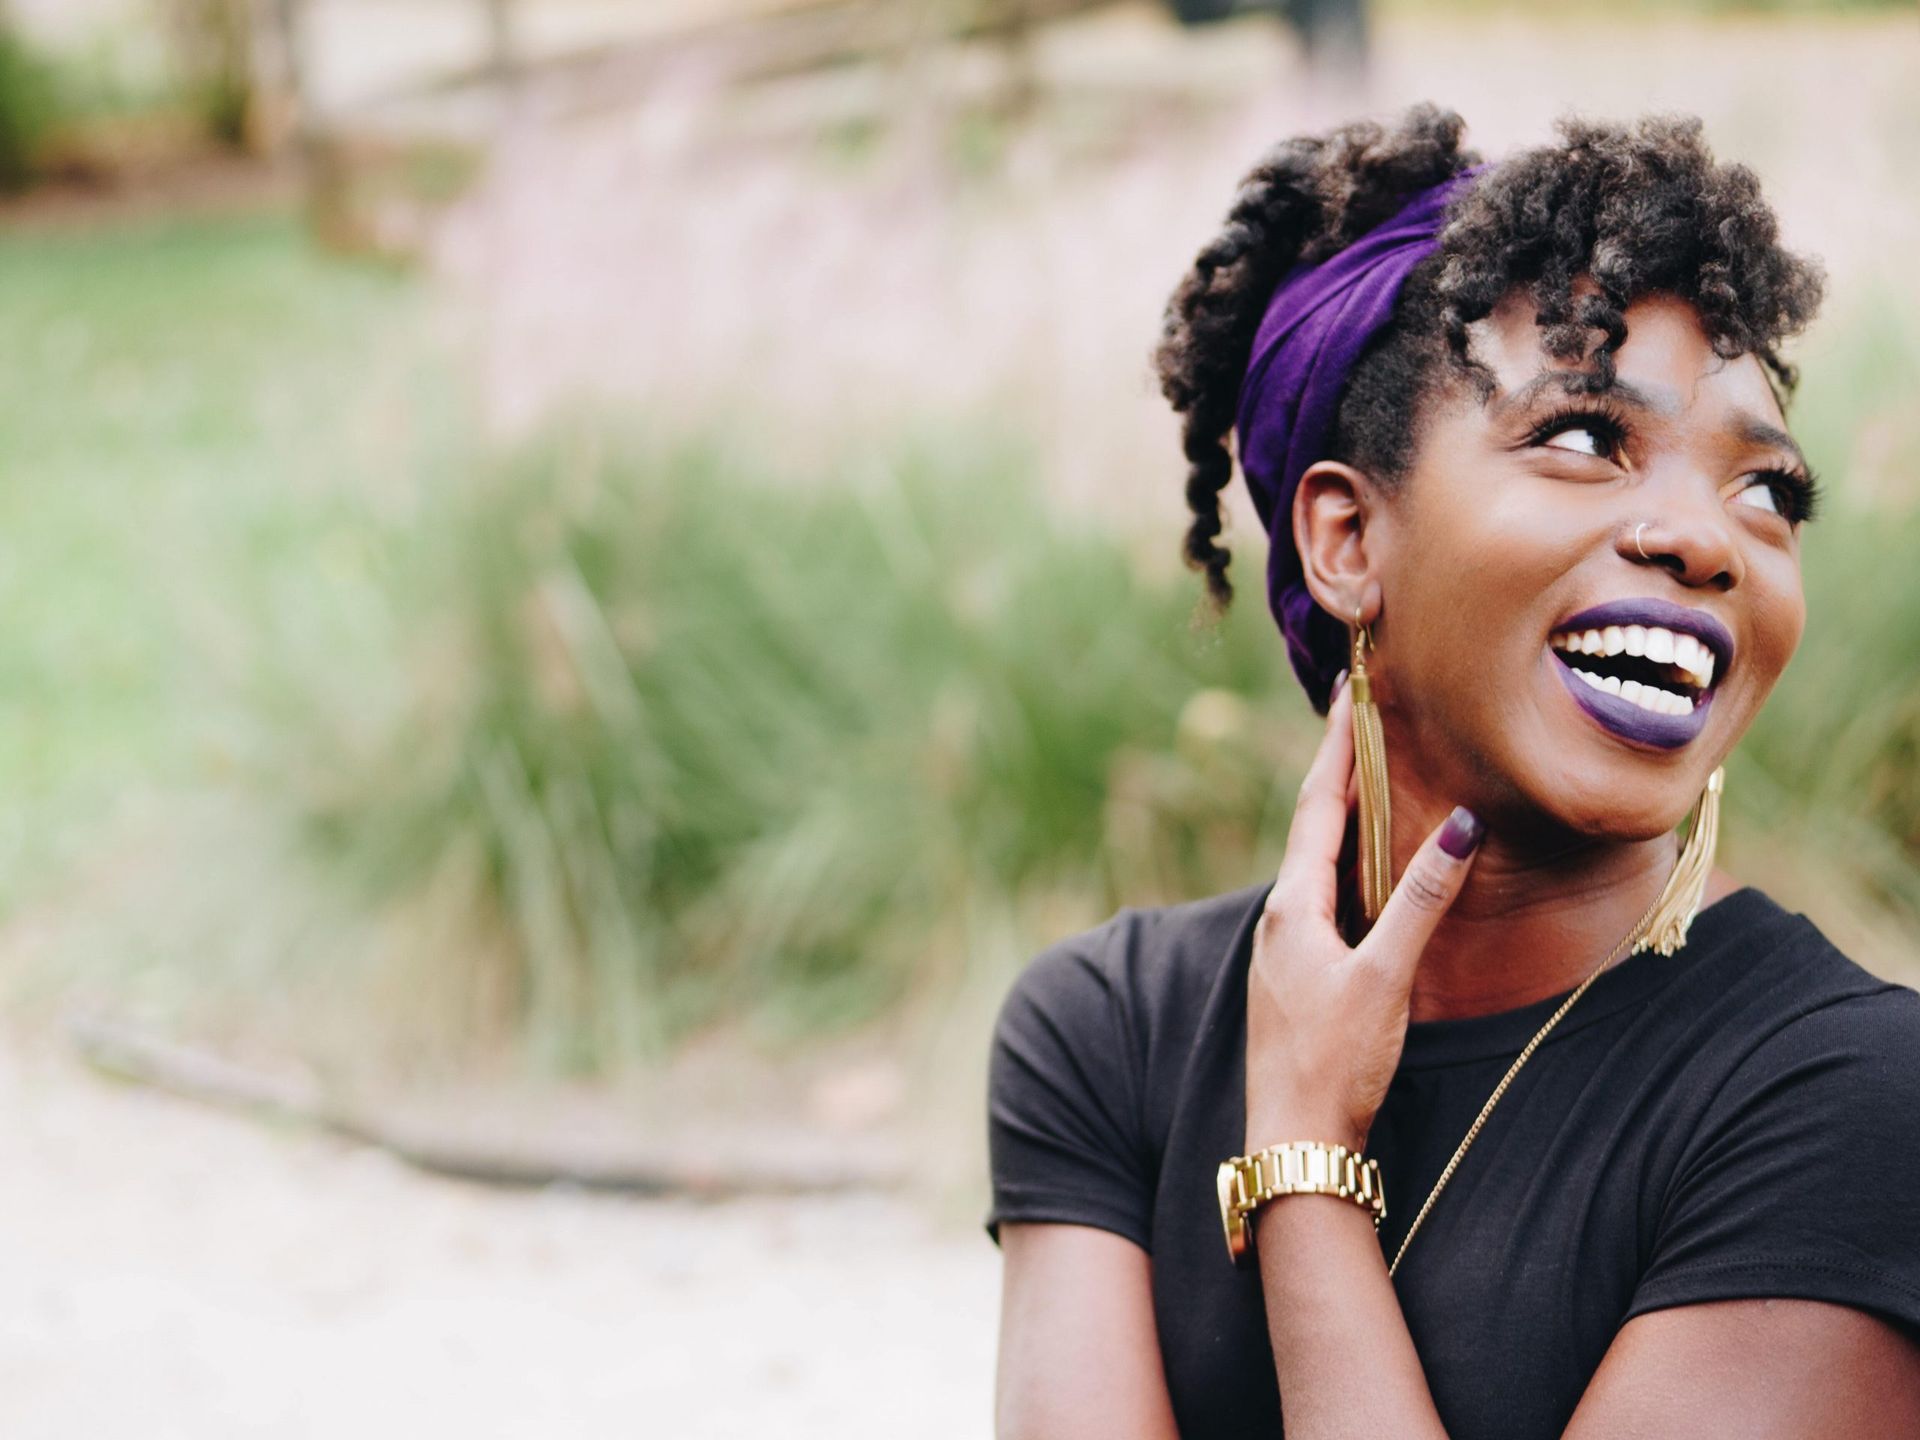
(1682, 619)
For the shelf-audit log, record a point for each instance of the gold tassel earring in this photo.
(1370, 760)
(1673, 913)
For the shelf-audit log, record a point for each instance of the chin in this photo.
(1618, 825)
(1583, 792)
(1598, 764)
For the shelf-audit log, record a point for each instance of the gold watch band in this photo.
(1298, 1167)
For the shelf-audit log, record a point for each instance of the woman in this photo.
(1647, 1143)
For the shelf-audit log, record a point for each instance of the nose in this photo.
(1693, 542)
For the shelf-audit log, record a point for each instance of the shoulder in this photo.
(1804, 1028)
(1796, 1175)
(1089, 1053)
(1146, 962)
(1799, 993)
(1853, 1045)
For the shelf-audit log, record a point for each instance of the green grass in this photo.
(189, 433)
(723, 747)
(29, 109)
(722, 744)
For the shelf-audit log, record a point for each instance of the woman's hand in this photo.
(1326, 1021)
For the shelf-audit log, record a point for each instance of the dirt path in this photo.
(174, 1272)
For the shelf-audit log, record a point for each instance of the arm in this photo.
(1325, 1026)
(1341, 1351)
(1079, 1354)
(1759, 1369)
(1072, 1202)
(1765, 1369)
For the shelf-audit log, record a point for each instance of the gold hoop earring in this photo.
(1370, 760)
(1679, 902)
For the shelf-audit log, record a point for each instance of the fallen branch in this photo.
(710, 1172)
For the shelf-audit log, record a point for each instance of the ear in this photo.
(1331, 511)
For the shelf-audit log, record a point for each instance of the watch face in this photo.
(1235, 1225)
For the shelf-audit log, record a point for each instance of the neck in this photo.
(1530, 923)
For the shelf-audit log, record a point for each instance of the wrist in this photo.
(1273, 1226)
(1248, 1183)
(1277, 1124)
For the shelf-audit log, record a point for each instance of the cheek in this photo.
(1463, 590)
(1473, 557)
(1779, 615)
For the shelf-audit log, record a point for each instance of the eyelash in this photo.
(1798, 493)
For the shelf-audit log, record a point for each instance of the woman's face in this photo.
(1513, 595)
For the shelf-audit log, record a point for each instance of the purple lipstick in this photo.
(1645, 670)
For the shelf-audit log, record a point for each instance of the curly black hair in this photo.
(1637, 207)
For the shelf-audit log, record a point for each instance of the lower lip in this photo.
(1628, 720)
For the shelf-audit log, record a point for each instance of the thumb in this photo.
(1432, 879)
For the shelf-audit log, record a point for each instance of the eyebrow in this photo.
(1755, 431)
(1660, 401)
(1663, 402)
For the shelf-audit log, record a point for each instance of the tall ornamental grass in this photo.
(709, 744)
(700, 742)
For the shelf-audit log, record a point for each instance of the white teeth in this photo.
(1652, 642)
(1696, 659)
(1647, 697)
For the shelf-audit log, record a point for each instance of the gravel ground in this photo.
(176, 1272)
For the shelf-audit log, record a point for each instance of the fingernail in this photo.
(1338, 681)
(1462, 833)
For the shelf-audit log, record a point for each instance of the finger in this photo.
(1320, 814)
(1425, 892)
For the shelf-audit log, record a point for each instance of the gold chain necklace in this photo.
(1507, 1079)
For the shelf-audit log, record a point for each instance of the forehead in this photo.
(1667, 355)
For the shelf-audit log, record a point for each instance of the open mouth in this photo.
(1646, 670)
(1658, 669)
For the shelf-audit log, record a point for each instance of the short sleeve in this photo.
(1064, 1132)
(1803, 1180)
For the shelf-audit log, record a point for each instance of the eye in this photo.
(1583, 429)
(1595, 442)
(1793, 495)
(1760, 495)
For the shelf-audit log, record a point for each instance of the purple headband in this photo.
(1317, 323)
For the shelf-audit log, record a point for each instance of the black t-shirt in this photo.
(1740, 1119)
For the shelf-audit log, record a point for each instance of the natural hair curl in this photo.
(1637, 208)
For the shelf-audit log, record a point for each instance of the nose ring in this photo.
(1636, 540)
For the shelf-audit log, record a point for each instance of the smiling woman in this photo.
(1516, 432)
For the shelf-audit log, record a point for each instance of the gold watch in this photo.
(1299, 1167)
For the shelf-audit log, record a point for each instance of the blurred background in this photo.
(588, 579)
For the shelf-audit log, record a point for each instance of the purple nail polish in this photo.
(1462, 833)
